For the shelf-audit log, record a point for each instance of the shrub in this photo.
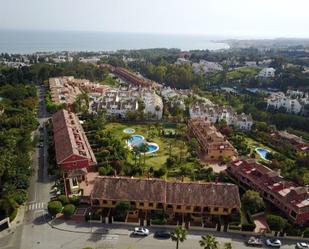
(74, 200)
(234, 227)
(68, 210)
(276, 223)
(54, 207)
(63, 199)
(158, 222)
(159, 172)
(104, 171)
(19, 195)
(248, 227)
(294, 231)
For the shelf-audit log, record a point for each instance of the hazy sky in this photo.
(269, 18)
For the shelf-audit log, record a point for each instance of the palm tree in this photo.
(209, 242)
(227, 245)
(157, 108)
(179, 235)
(143, 149)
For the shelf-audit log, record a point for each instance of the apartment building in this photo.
(213, 145)
(215, 113)
(267, 72)
(291, 199)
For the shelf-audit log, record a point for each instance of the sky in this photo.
(235, 18)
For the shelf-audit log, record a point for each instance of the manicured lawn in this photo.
(151, 134)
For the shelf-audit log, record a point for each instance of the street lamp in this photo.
(90, 221)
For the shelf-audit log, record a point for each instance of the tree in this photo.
(276, 223)
(122, 208)
(209, 242)
(252, 201)
(179, 235)
(68, 210)
(63, 199)
(54, 207)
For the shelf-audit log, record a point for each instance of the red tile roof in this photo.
(69, 137)
(161, 191)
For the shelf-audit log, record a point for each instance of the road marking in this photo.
(35, 206)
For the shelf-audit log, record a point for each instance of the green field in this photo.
(151, 134)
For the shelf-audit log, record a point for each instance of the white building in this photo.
(267, 72)
(289, 103)
(153, 105)
(204, 67)
(216, 114)
(182, 61)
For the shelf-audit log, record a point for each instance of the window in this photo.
(225, 210)
(188, 207)
(150, 204)
(74, 182)
(169, 206)
(216, 209)
(141, 204)
(178, 206)
(132, 203)
(104, 201)
(114, 202)
(293, 214)
(197, 209)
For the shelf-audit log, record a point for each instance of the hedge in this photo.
(68, 210)
(54, 207)
(306, 233)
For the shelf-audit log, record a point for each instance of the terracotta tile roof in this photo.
(158, 190)
(70, 138)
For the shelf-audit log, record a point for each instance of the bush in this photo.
(252, 202)
(276, 223)
(248, 227)
(158, 222)
(233, 226)
(160, 172)
(63, 199)
(19, 195)
(74, 200)
(54, 207)
(68, 210)
(105, 171)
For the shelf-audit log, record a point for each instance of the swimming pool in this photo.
(262, 152)
(138, 140)
(129, 131)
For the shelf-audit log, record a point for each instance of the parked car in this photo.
(162, 234)
(254, 241)
(141, 231)
(302, 245)
(273, 243)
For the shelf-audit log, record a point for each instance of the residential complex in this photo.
(74, 155)
(120, 101)
(204, 67)
(213, 145)
(64, 90)
(291, 199)
(174, 198)
(290, 102)
(267, 72)
(215, 114)
(298, 143)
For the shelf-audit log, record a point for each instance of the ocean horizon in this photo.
(26, 42)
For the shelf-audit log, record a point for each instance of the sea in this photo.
(26, 42)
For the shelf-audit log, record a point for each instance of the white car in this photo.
(141, 231)
(302, 245)
(273, 243)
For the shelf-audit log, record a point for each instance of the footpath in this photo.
(18, 221)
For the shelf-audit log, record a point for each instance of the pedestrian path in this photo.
(35, 206)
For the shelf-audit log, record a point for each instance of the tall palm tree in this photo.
(209, 242)
(179, 235)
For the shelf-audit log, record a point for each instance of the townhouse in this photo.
(174, 198)
(74, 155)
(290, 198)
(213, 145)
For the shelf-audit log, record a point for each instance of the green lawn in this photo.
(151, 134)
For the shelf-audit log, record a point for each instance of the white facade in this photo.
(267, 72)
(280, 100)
(153, 105)
(216, 114)
(204, 67)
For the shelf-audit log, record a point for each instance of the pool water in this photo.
(137, 140)
(129, 130)
(262, 152)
